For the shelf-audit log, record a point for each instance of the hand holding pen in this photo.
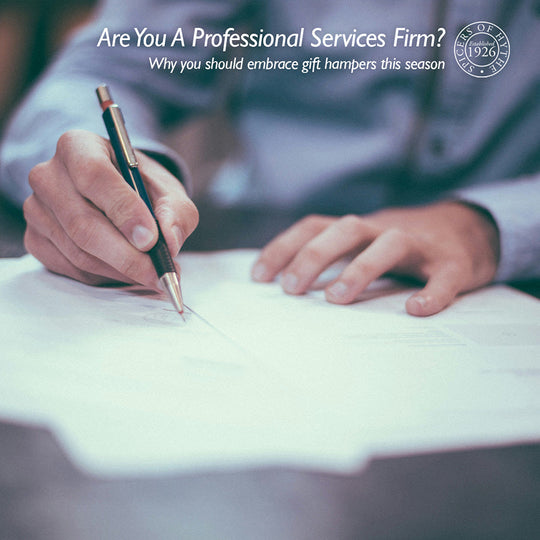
(129, 167)
(86, 222)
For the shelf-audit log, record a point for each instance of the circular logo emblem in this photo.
(482, 49)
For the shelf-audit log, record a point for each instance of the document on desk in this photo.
(255, 377)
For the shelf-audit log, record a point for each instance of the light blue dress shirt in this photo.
(325, 140)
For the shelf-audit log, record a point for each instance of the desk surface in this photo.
(477, 493)
(491, 493)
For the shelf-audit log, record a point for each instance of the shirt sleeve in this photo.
(514, 205)
(151, 100)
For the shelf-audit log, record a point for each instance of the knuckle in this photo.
(397, 234)
(90, 169)
(66, 141)
(399, 238)
(365, 268)
(81, 230)
(80, 151)
(312, 218)
(277, 249)
(190, 213)
(57, 236)
(313, 222)
(130, 267)
(311, 255)
(79, 259)
(124, 207)
(37, 177)
(353, 224)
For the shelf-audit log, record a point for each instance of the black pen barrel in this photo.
(127, 162)
(160, 255)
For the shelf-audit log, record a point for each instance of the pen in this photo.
(129, 167)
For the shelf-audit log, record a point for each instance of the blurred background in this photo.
(31, 33)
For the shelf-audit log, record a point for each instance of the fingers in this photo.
(177, 215)
(87, 162)
(42, 228)
(87, 227)
(383, 254)
(44, 250)
(440, 290)
(304, 251)
(280, 251)
(347, 234)
(83, 209)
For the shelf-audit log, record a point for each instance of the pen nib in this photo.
(171, 284)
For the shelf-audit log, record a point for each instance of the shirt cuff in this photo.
(513, 206)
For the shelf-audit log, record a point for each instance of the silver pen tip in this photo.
(171, 283)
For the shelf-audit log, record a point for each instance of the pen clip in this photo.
(107, 104)
(123, 138)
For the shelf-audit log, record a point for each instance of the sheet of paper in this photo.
(255, 377)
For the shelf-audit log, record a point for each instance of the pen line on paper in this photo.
(215, 328)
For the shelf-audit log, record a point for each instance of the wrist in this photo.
(482, 232)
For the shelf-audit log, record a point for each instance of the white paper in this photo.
(256, 377)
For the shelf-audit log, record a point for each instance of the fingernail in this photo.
(259, 272)
(289, 282)
(338, 289)
(178, 236)
(420, 300)
(141, 237)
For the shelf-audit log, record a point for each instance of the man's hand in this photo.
(86, 222)
(451, 246)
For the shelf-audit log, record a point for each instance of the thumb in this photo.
(175, 211)
(440, 290)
